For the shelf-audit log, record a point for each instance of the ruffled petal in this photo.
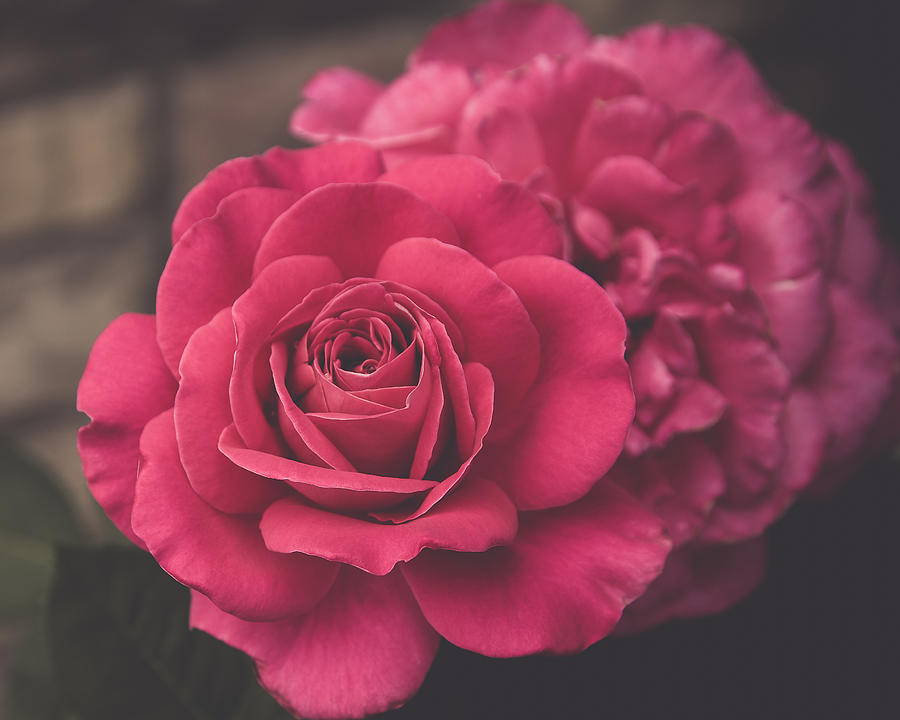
(502, 35)
(421, 106)
(365, 649)
(681, 483)
(629, 125)
(742, 364)
(855, 374)
(698, 580)
(125, 385)
(555, 93)
(222, 556)
(561, 586)
(632, 192)
(692, 68)
(334, 104)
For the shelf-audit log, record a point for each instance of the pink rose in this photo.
(762, 305)
(371, 412)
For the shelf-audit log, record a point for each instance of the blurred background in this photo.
(110, 111)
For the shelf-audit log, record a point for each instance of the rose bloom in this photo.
(762, 305)
(371, 411)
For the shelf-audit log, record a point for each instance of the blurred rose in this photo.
(762, 305)
(356, 384)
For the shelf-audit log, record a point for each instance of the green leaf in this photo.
(121, 647)
(34, 515)
(30, 691)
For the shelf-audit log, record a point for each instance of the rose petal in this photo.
(125, 385)
(210, 266)
(503, 35)
(738, 516)
(629, 125)
(581, 405)
(353, 225)
(742, 364)
(697, 405)
(222, 556)
(364, 649)
(556, 93)
(680, 483)
(342, 490)
(559, 587)
(476, 516)
(855, 373)
(476, 401)
(496, 220)
(698, 580)
(420, 106)
(281, 286)
(202, 411)
(334, 104)
(297, 170)
(692, 68)
(701, 152)
(633, 193)
(492, 320)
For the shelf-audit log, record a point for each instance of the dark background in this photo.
(110, 111)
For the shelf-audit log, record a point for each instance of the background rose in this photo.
(739, 244)
(355, 384)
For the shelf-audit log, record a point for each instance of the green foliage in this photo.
(33, 516)
(121, 646)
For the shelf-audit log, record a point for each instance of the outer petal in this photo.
(334, 103)
(222, 556)
(692, 68)
(296, 170)
(503, 35)
(680, 483)
(365, 649)
(125, 385)
(475, 517)
(698, 580)
(854, 377)
(556, 93)
(353, 225)
(741, 362)
(202, 412)
(496, 220)
(783, 251)
(559, 588)
(421, 106)
(575, 417)
(210, 266)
